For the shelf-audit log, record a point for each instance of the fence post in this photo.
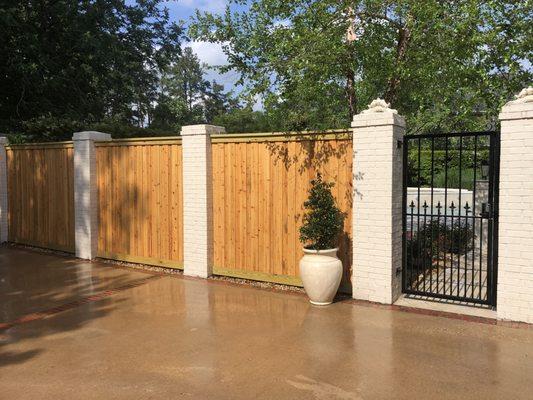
(198, 199)
(377, 203)
(3, 189)
(85, 193)
(515, 268)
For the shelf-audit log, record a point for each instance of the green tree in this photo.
(68, 62)
(217, 102)
(186, 97)
(244, 120)
(443, 64)
(323, 221)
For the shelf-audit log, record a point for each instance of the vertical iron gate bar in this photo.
(412, 207)
(460, 205)
(424, 265)
(422, 247)
(438, 247)
(474, 217)
(445, 210)
(495, 136)
(452, 207)
(489, 213)
(480, 257)
(431, 220)
(418, 222)
(404, 210)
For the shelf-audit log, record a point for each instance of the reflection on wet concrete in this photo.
(181, 338)
(32, 282)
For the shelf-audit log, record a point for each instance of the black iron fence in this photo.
(450, 216)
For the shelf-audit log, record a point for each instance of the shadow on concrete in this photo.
(35, 286)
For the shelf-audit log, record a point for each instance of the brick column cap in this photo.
(201, 130)
(378, 113)
(4, 141)
(91, 135)
(520, 108)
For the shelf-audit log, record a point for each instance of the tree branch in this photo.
(383, 17)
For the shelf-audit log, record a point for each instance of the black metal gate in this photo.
(450, 216)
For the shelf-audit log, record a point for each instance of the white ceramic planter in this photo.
(321, 273)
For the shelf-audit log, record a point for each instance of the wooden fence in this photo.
(140, 201)
(260, 182)
(259, 186)
(41, 195)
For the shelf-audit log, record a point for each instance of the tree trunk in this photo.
(350, 94)
(391, 94)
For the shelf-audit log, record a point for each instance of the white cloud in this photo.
(213, 55)
(209, 53)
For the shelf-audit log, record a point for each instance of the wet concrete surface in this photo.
(173, 338)
(31, 281)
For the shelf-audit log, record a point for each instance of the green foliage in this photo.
(323, 221)
(436, 237)
(68, 65)
(244, 120)
(456, 179)
(445, 65)
(116, 65)
(440, 161)
(459, 238)
(81, 62)
(48, 129)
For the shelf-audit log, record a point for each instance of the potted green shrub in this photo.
(320, 268)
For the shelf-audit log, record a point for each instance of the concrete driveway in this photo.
(77, 330)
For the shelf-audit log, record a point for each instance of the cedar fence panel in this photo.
(140, 201)
(41, 195)
(259, 187)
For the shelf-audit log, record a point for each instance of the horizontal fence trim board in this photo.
(115, 143)
(259, 276)
(146, 138)
(45, 246)
(279, 137)
(36, 146)
(277, 133)
(142, 260)
(451, 134)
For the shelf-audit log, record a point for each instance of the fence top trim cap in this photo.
(91, 135)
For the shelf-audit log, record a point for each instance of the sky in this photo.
(209, 53)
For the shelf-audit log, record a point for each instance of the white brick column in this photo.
(377, 203)
(85, 193)
(3, 189)
(515, 261)
(198, 199)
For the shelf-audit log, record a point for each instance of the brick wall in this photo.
(198, 199)
(515, 267)
(85, 195)
(377, 204)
